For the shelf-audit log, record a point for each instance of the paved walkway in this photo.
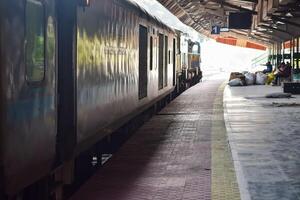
(264, 136)
(181, 153)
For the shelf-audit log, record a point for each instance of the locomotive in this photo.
(188, 71)
(72, 73)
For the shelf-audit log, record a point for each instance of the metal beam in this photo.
(274, 38)
(285, 21)
(252, 1)
(263, 37)
(275, 29)
(279, 33)
(245, 37)
(235, 6)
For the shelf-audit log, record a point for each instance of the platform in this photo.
(180, 153)
(209, 143)
(264, 135)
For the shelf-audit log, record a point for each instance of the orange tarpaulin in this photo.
(240, 42)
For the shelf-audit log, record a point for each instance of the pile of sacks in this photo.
(247, 78)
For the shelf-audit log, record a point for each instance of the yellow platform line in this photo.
(223, 184)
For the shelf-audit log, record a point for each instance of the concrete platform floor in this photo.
(180, 153)
(264, 135)
(208, 144)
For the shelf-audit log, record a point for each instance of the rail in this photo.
(262, 59)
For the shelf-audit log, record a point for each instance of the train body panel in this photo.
(108, 71)
(28, 91)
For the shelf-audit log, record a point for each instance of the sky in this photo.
(218, 56)
(215, 56)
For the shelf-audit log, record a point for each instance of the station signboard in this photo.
(224, 29)
(217, 29)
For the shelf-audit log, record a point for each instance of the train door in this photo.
(66, 136)
(28, 93)
(160, 61)
(174, 62)
(143, 60)
(2, 108)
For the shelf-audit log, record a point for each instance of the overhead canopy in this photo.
(272, 20)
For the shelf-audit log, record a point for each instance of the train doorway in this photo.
(66, 82)
(174, 62)
(143, 58)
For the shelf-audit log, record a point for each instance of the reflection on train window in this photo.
(151, 53)
(35, 41)
(196, 49)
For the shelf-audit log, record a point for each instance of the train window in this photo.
(166, 62)
(160, 61)
(174, 61)
(35, 41)
(195, 49)
(184, 60)
(297, 44)
(151, 53)
(156, 52)
(169, 57)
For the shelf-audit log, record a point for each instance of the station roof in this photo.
(273, 21)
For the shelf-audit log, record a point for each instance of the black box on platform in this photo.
(290, 87)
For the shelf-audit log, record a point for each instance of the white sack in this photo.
(261, 78)
(250, 78)
(235, 82)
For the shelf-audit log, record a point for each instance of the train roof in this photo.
(136, 6)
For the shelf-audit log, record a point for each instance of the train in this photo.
(72, 73)
(188, 70)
